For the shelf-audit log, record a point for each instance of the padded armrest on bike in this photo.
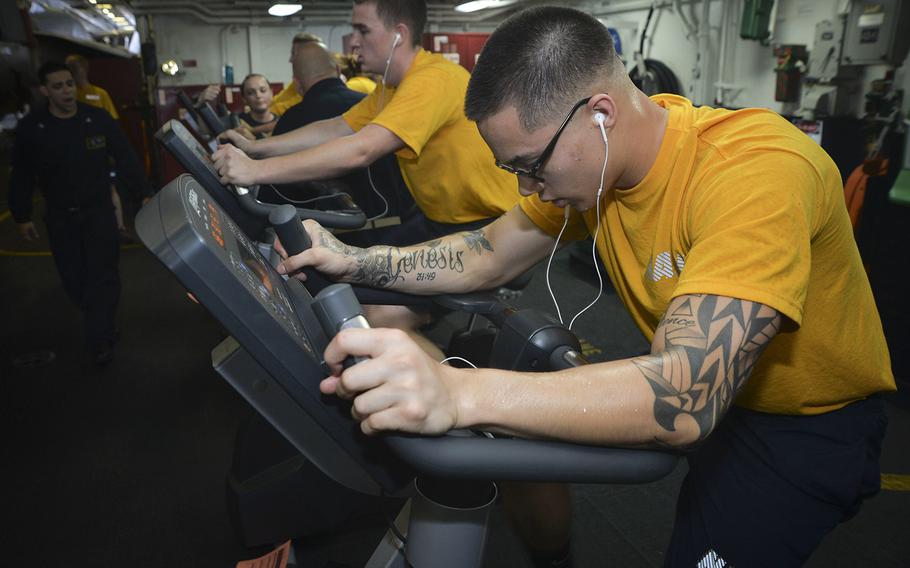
(327, 186)
(472, 303)
(335, 219)
(340, 199)
(341, 202)
(380, 297)
(347, 219)
(340, 212)
(514, 459)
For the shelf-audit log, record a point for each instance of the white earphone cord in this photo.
(385, 75)
(593, 244)
(550, 262)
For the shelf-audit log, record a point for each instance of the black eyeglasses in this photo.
(535, 167)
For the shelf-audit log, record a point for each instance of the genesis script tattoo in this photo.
(382, 267)
(711, 345)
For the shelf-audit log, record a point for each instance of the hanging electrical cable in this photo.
(650, 75)
(658, 78)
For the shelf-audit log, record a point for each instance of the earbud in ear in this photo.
(397, 40)
(600, 118)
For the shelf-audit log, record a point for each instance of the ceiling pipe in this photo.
(611, 8)
(214, 21)
(263, 5)
(250, 8)
(317, 12)
(323, 19)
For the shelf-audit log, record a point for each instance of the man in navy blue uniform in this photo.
(65, 150)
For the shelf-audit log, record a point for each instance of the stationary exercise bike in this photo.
(273, 358)
(269, 476)
(187, 232)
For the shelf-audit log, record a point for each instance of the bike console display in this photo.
(272, 319)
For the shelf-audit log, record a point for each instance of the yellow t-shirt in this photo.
(285, 99)
(446, 165)
(97, 97)
(743, 204)
(363, 85)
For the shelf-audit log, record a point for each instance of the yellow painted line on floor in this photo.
(895, 482)
(24, 253)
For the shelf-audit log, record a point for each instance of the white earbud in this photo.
(388, 62)
(599, 118)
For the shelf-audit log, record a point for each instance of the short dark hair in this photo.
(247, 78)
(412, 13)
(48, 68)
(541, 60)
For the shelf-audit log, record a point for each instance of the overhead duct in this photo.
(87, 27)
(51, 19)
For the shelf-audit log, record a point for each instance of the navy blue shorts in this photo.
(764, 489)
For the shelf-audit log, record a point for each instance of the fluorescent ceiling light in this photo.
(476, 5)
(284, 9)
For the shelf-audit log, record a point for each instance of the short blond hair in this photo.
(306, 37)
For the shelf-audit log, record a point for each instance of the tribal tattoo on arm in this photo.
(383, 266)
(703, 351)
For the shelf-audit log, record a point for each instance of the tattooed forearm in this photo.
(706, 348)
(382, 267)
(330, 242)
